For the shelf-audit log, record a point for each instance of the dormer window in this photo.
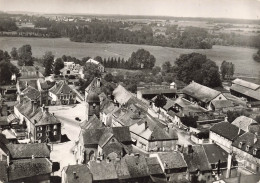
(94, 106)
(254, 151)
(240, 144)
(247, 148)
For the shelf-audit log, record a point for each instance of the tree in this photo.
(4, 56)
(48, 59)
(142, 59)
(227, 70)
(58, 65)
(256, 56)
(159, 102)
(90, 71)
(25, 55)
(167, 67)
(85, 59)
(6, 71)
(232, 115)
(196, 67)
(109, 77)
(14, 53)
(156, 70)
(99, 59)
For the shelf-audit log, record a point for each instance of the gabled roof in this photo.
(9, 134)
(31, 93)
(102, 171)
(61, 87)
(3, 172)
(3, 121)
(197, 159)
(246, 84)
(200, 92)
(121, 95)
(220, 104)
(248, 139)
(83, 174)
(25, 168)
(93, 136)
(92, 123)
(215, 153)
(172, 160)
(20, 151)
(93, 61)
(136, 166)
(154, 166)
(243, 122)
(226, 130)
(43, 117)
(246, 91)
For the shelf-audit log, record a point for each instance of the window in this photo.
(39, 134)
(55, 127)
(47, 127)
(220, 98)
(47, 133)
(240, 144)
(247, 148)
(54, 133)
(254, 151)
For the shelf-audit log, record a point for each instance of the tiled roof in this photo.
(45, 85)
(121, 95)
(157, 91)
(25, 168)
(9, 134)
(197, 159)
(215, 153)
(226, 130)
(115, 147)
(93, 136)
(92, 123)
(246, 84)
(31, 93)
(83, 174)
(3, 171)
(243, 122)
(105, 138)
(137, 166)
(172, 160)
(93, 61)
(154, 166)
(43, 117)
(102, 171)
(248, 139)
(61, 87)
(200, 92)
(246, 91)
(219, 104)
(19, 151)
(3, 121)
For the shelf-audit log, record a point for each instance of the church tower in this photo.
(92, 105)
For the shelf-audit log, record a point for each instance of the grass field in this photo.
(241, 57)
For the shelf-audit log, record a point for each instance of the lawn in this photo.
(240, 56)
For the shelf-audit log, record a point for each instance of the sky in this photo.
(242, 9)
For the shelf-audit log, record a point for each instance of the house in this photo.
(99, 143)
(134, 169)
(62, 94)
(224, 134)
(28, 151)
(155, 170)
(107, 112)
(40, 124)
(247, 150)
(92, 123)
(201, 95)
(150, 137)
(36, 170)
(29, 73)
(245, 89)
(121, 95)
(244, 123)
(103, 172)
(76, 174)
(10, 136)
(74, 70)
(99, 65)
(222, 105)
(173, 165)
(150, 92)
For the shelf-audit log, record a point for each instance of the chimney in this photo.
(98, 82)
(32, 156)
(33, 106)
(255, 138)
(189, 149)
(239, 130)
(75, 175)
(229, 163)
(145, 125)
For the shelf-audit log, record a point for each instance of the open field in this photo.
(241, 57)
